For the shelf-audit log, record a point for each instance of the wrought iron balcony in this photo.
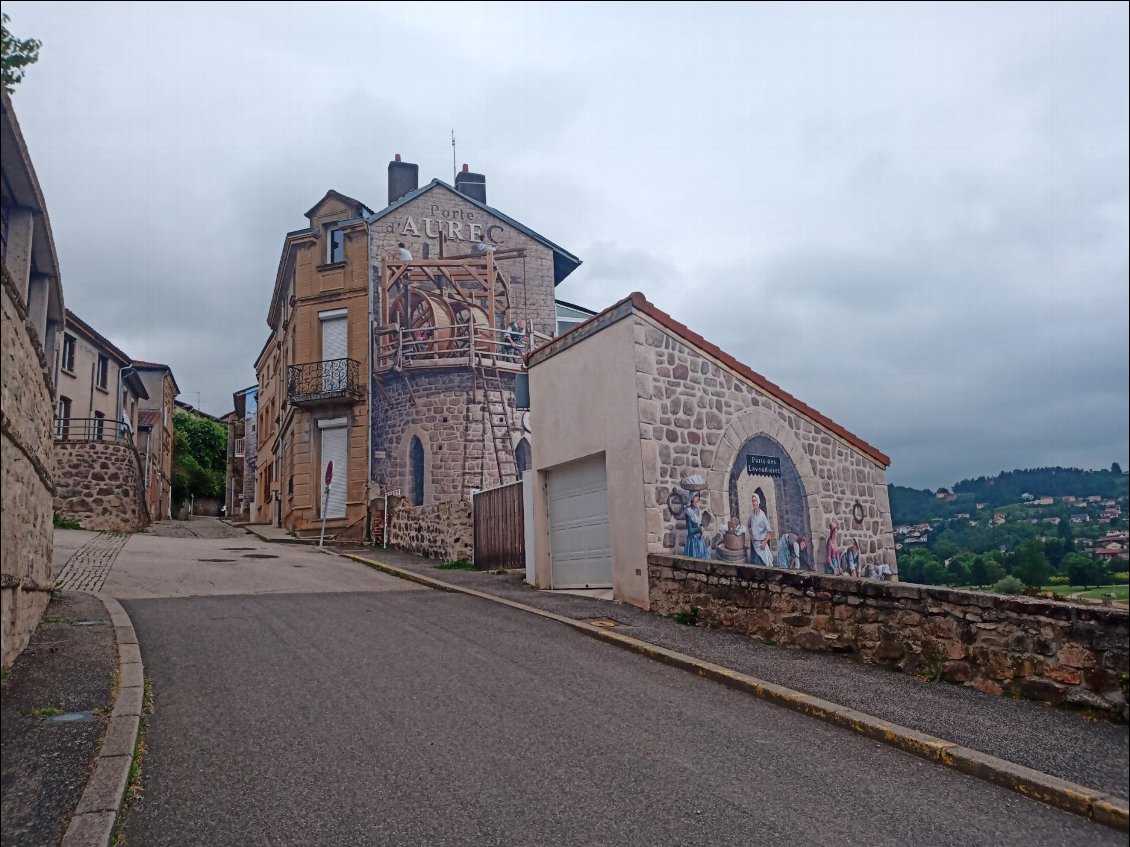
(331, 381)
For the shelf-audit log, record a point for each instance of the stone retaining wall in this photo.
(1055, 652)
(443, 531)
(99, 484)
(25, 484)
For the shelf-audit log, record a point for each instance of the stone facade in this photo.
(420, 221)
(699, 417)
(1044, 650)
(100, 485)
(448, 417)
(442, 531)
(26, 487)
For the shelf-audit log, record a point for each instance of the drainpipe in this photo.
(369, 387)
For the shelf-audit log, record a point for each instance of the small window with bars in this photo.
(239, 446)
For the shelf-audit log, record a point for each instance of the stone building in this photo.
(155, 436)
(99, 475)
(399, 370)
(99, 390)
(240, 487)
(685, 438)
(33, 315)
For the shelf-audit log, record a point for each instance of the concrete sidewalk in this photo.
(67, 667)
(1062, 743)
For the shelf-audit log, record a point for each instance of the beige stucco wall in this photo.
(583, 402)
(80, 384)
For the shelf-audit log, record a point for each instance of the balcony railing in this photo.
(459, 346)
(330, 381)
(92, 429)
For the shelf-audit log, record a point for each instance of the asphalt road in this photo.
(400, 715)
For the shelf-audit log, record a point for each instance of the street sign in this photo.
(329, 471)
(763, 466)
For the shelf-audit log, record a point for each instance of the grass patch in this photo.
(1092, 592)
(45, 712)
(65, 523)
(457, 565)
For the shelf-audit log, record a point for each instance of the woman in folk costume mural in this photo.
(695, 546)
(832, 563)
(760, 544)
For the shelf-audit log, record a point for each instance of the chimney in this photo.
(473, 185)
(403, 178)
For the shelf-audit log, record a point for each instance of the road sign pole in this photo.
(326, 500)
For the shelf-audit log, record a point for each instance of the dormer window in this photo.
(335, 248)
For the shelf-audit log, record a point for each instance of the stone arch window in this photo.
(523, 458)
(416, 471)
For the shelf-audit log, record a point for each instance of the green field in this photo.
(1120, 591)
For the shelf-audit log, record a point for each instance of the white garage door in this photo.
(579, 546)
(334, 440)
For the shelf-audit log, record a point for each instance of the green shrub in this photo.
(687, 617)
(1121, 577)
(1059, 580)
(1009, 585)
(65, 523)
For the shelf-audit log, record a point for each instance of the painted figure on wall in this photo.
(695, 546)
(849, 560)
(789, 549)
(760, 551)
(832, 560)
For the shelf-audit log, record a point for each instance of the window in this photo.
(102, 375)
(69, 353)
(416, 460)
(62, 427)
(336, 246)
(239, 446)
(97, 426)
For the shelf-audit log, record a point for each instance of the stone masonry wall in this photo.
(458, 448)
(696, 416)
(99, 484)
(441, 210)
(1044, 650)
(443, 531)
(25, 478)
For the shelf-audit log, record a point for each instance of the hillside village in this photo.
(948, 529)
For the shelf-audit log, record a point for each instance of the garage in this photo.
(579, 544)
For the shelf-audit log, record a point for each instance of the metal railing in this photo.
(466, 344)
(93, 429)
(331, 379)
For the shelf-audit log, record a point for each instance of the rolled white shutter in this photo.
(335, 442)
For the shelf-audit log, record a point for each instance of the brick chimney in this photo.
(473, 185)
(403, 178)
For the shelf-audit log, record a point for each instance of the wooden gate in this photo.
(500, 540)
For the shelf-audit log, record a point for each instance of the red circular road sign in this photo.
(329, 471)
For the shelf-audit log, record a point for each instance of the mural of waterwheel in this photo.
(430, 323)
(465, 314)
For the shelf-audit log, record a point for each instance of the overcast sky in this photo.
(914, 218)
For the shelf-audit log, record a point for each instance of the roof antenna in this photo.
(453, 172)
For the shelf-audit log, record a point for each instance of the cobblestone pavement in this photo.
(196, 527)
(87, 569)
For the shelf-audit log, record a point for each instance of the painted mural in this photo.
(767, 524)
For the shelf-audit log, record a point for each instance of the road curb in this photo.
(1069, 796)
(304, 542)
(92, 825)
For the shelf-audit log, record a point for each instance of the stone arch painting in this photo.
(782, 498)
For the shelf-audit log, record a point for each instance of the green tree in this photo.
(1116, 468)
(199, 456)
(15, 54)
(979, 572)
(1008, 585)
(1031, 565)
(1082, 570)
